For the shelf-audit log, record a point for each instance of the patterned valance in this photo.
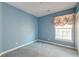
(65, 19)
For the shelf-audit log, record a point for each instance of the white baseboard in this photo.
(17, 47)
(56, 44)
(31, 43)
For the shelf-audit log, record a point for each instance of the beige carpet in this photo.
(40, 49)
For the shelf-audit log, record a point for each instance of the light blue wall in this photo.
(0, 27)
(77, 7)
(47, 30)
(18, 27)
(77, 28)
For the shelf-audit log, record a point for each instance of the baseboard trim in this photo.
(56, 44)
(16, 48)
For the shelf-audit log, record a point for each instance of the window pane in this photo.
(64, 33)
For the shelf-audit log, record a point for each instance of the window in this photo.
(63, 27)
(63, 33)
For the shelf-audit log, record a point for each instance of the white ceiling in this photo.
(39, 9)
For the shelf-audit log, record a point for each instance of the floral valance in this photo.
(65, 19)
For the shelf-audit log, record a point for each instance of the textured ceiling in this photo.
(39, 9)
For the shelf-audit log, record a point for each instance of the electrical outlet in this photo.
(16, 43)
(48, 39)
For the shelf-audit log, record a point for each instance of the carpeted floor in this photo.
(40, 49)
